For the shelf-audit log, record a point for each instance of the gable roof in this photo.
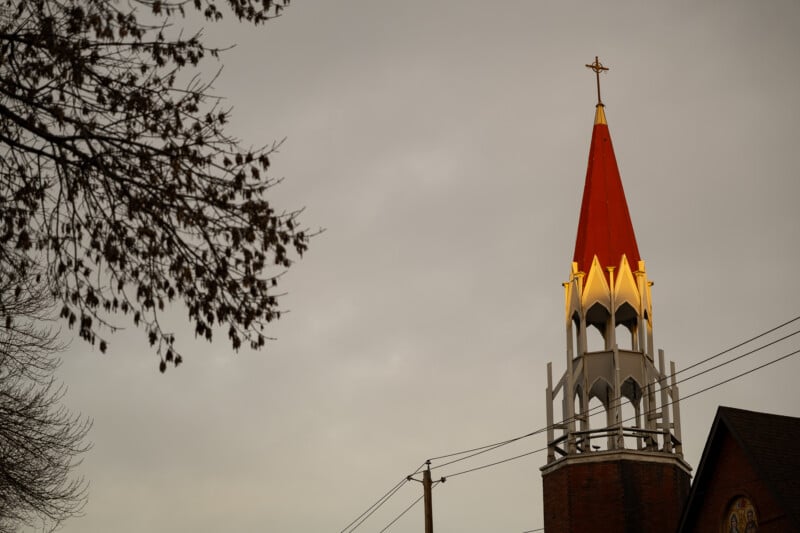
(770, 444)
(605, 227)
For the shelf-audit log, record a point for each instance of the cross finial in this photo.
(597, 67)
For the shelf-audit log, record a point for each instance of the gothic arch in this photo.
(632, 390)
(601, 389)
(597, 315)
(626, 315)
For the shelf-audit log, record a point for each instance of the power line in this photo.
(759, 367)
(398, 517)
(490, 447)
(706, 389)
(707, 370)
(494, 446)
(377, 505)
(786, 356)
(497, 462)
(501, 443)
(748, 341)
(729, 361)
(407, 509)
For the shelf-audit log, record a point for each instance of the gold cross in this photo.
(597, 67)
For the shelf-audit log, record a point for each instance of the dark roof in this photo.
(770, 443)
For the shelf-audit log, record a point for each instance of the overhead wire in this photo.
(622, 402)
(371, 510)
(407, 509)
(500, 443)
(693, 376)
(705, 389)
(737, 376)
(398, 517)
(508, 460)
(377, 505)
(490, 447)
(701, 391)
(486, 449)
(748, 341)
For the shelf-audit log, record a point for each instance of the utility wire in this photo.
(398, 517)
(407, 509)
(684, 398)
(490, 447)
(751, 352)
(501, 443)
(748, 341)
(520, 456)
(737, 376)
(701, 391)
(377, 505)
(623, 402)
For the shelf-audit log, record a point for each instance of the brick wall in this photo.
(732, 476)
(614, 495)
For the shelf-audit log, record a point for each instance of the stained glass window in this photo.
(741, 517)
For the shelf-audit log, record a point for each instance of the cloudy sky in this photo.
(443, 146)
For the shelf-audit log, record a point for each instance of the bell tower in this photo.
(614, 456)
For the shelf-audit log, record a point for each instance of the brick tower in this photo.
(614, 460)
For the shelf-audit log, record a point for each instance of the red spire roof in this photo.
(605, 227)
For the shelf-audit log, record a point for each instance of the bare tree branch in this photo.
(123, 185)
(40, 440)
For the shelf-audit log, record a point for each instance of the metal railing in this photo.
(646, 440)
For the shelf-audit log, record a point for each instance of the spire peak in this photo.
(600, 115)
(597, 67)
(604, 229)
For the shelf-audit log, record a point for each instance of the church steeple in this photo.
(602, 459)
(604, 228)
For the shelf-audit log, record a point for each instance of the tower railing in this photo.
(646, 440)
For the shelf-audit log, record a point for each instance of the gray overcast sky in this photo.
(443, 146)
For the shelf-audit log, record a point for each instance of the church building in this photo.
(748, 479)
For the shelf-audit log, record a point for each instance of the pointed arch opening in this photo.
(626, 315)
(630, 412)
(597, 418)
(597, 318)
(602, 390)
(576, 335)
(581, 403)
(595, 339)
(626, 339)
(627, 321)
